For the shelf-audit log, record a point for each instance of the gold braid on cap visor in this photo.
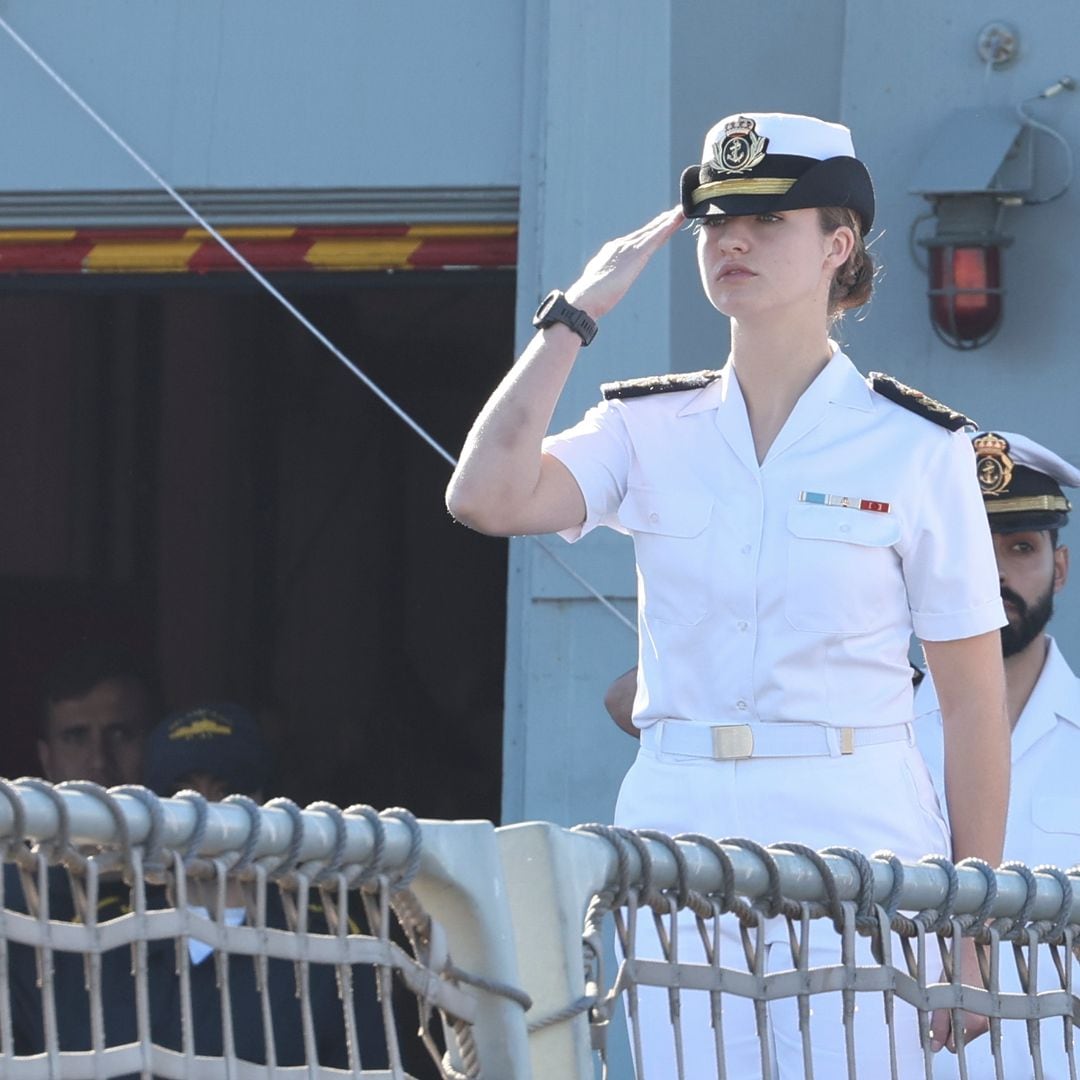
(1028, 502)
(749, 185)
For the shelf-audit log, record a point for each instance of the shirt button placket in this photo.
(746, 610)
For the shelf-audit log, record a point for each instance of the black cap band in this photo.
(781, 182)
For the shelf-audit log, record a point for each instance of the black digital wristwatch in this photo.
(554, 309)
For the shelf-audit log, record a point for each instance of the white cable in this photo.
(196, 216)
(585, 585)
(274, 292)
(1030, 121)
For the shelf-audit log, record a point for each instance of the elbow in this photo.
(459, 505)
(613, 703)
(472, 511)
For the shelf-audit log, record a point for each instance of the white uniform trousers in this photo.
(878, 797)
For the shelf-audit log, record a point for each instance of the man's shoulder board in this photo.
(918, 402)
(658, 384)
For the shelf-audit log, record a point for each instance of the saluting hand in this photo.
(614, 268)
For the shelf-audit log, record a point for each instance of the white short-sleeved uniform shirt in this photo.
(755, 606)
(1043, 828)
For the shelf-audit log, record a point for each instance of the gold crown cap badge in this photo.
(993, 464)
(741, 148)
(741, 125)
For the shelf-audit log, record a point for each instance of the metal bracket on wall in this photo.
(998, 44)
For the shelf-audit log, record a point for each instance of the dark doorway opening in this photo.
(186, 468)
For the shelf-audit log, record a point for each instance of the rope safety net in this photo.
(210, 957)
(174, 938)
(878, 962)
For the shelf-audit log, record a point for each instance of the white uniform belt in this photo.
(732, 742)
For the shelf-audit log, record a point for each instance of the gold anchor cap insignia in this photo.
(741, 148)
(992, 463)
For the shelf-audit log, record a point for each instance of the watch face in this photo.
(546, 305)
(554, 309)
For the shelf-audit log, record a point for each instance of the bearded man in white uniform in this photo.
(1022, 490)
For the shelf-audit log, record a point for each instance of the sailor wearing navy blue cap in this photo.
(787, 544)
(212, 749)
(1023, 487)
(215, 749)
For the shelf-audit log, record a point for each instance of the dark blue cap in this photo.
(220, 739)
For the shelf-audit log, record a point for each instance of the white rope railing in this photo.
(127, 920)
(892, 934)
(311, 916)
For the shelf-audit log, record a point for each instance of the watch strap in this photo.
(555, 308)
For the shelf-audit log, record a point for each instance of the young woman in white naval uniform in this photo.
(792, 525)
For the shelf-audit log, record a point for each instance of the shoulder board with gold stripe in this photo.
(658, 384)
(918, 402)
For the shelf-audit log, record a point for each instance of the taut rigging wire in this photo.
(276, 293)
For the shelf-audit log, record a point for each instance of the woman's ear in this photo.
(840, 243)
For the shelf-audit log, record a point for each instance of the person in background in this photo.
(217, 750)
(1022, 490)
(98, 701)
(213, 749)
(619, 702)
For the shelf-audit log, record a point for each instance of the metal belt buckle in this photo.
(731, 742)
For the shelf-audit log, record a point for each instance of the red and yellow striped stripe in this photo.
(174, 251)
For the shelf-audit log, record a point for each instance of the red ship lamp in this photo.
(978, 163)
(964, 271)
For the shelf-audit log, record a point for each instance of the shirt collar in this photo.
(839, 383)
(1056, 696)
(712, 396)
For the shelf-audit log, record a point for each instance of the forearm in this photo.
(499, 468)
(971, 691)
(977, 783)
(503, 484)
(977, 789)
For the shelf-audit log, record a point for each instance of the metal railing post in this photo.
(462, 886)
(552, 875)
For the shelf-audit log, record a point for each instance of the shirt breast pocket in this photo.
(1057, 814)
(843, 576)
(671, 544)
